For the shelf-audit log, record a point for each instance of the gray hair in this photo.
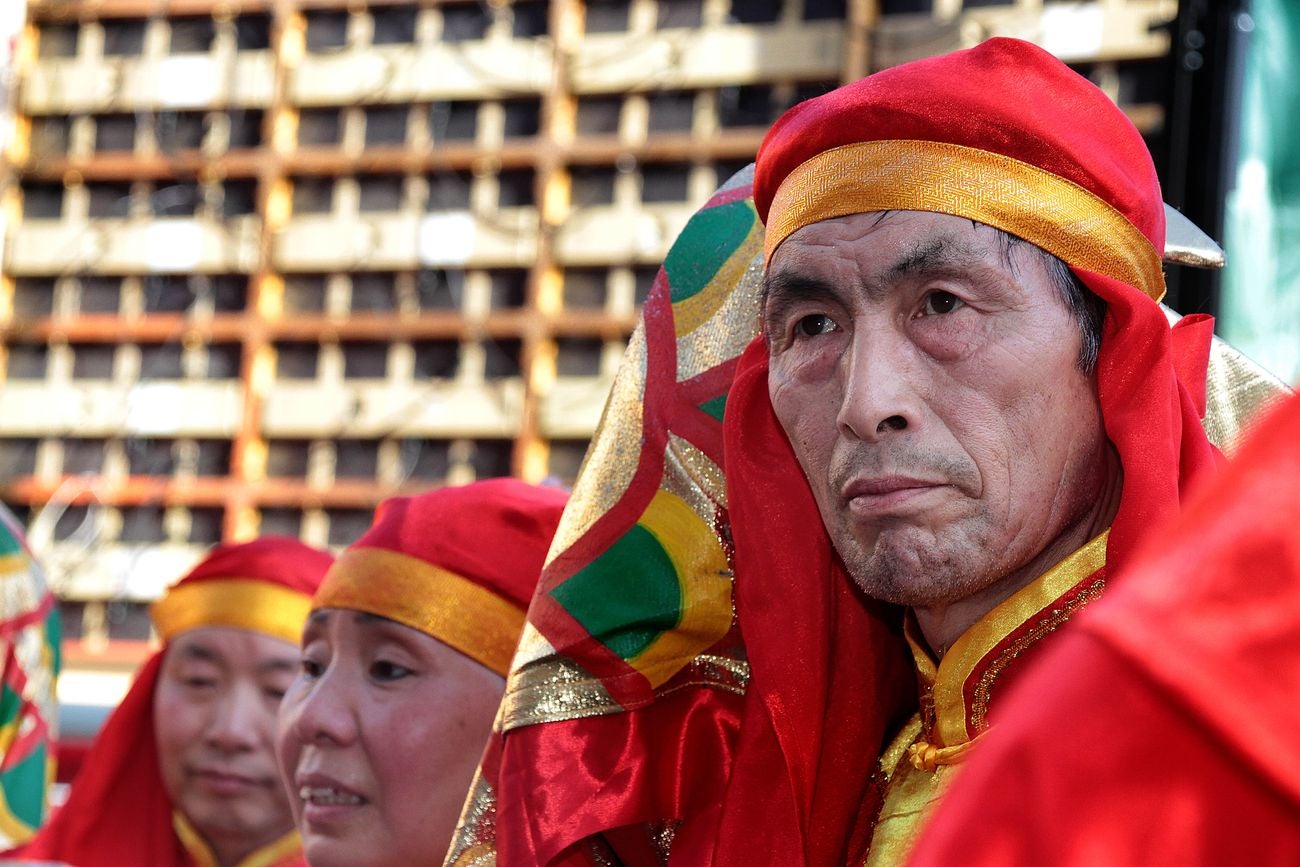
(1087, 308)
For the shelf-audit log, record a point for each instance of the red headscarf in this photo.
(1007, 135)
(459, 564)
(119, 812)
(1162, 728)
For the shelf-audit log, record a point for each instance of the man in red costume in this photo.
(183, 773)
(965, 411)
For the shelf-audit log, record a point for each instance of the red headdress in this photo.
(459, 564)
(119, 811)
(1003, 134)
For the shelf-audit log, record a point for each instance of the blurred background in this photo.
(267, 262)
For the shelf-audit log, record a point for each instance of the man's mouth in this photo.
(225, 782)
(872, 496)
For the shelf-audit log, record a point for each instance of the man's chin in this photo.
(902, 575)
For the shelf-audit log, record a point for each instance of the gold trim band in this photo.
(242, 603)
(1044, 209)
(451, 608)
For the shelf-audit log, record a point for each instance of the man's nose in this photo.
(240, 721)
(880, 396)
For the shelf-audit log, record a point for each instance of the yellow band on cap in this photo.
(456, 611)
(1044, 209)
(242, 603)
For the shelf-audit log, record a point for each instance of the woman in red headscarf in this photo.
(404, 660)
(183, 773)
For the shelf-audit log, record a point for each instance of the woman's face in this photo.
(379, 736)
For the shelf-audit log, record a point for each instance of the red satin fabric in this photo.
(118, 813)
(1161, 730)
(594, 775)
(494, 533)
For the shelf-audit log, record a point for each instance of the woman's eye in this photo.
(814, 324)
(939, 303)
(388, 671)
(312, 669)
(200, 682)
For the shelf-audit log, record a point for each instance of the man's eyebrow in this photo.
(275, 666)
(944, 253)
(200, 652)
(784, 289)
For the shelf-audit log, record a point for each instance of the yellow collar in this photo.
(199, 851)
(955, 693)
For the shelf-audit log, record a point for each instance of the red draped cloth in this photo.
(118, 813)
(1162, 729)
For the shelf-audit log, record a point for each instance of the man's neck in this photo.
(942, 625)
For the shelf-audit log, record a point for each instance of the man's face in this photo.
(379, 738)
(214, 721)
(927, 380)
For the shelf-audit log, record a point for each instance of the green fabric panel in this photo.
(1260, 311)
(8, 544)
(54, 637)
(11, 703)
(705, 245)
(716, 407)
(24, 787)
(627, 596)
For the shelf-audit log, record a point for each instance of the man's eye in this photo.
(312, 669)
(939, 303)
(200, 682)
(384, 671)
(814, 324)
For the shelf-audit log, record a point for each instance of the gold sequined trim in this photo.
(1049, 624)
(1044, 209)
(556, 689)
(474, 842)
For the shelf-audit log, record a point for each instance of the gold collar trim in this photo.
(947, 683)
(267, 856)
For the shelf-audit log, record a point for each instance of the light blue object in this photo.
(1260, 310)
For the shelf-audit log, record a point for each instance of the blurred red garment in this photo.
(1161, 730)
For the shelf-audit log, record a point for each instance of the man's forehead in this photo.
(882, 245)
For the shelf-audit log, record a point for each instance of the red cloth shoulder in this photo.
(1161, 730)
(118, 812)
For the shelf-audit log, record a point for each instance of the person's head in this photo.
(404, 658)
(230, 628)
(934, 235)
